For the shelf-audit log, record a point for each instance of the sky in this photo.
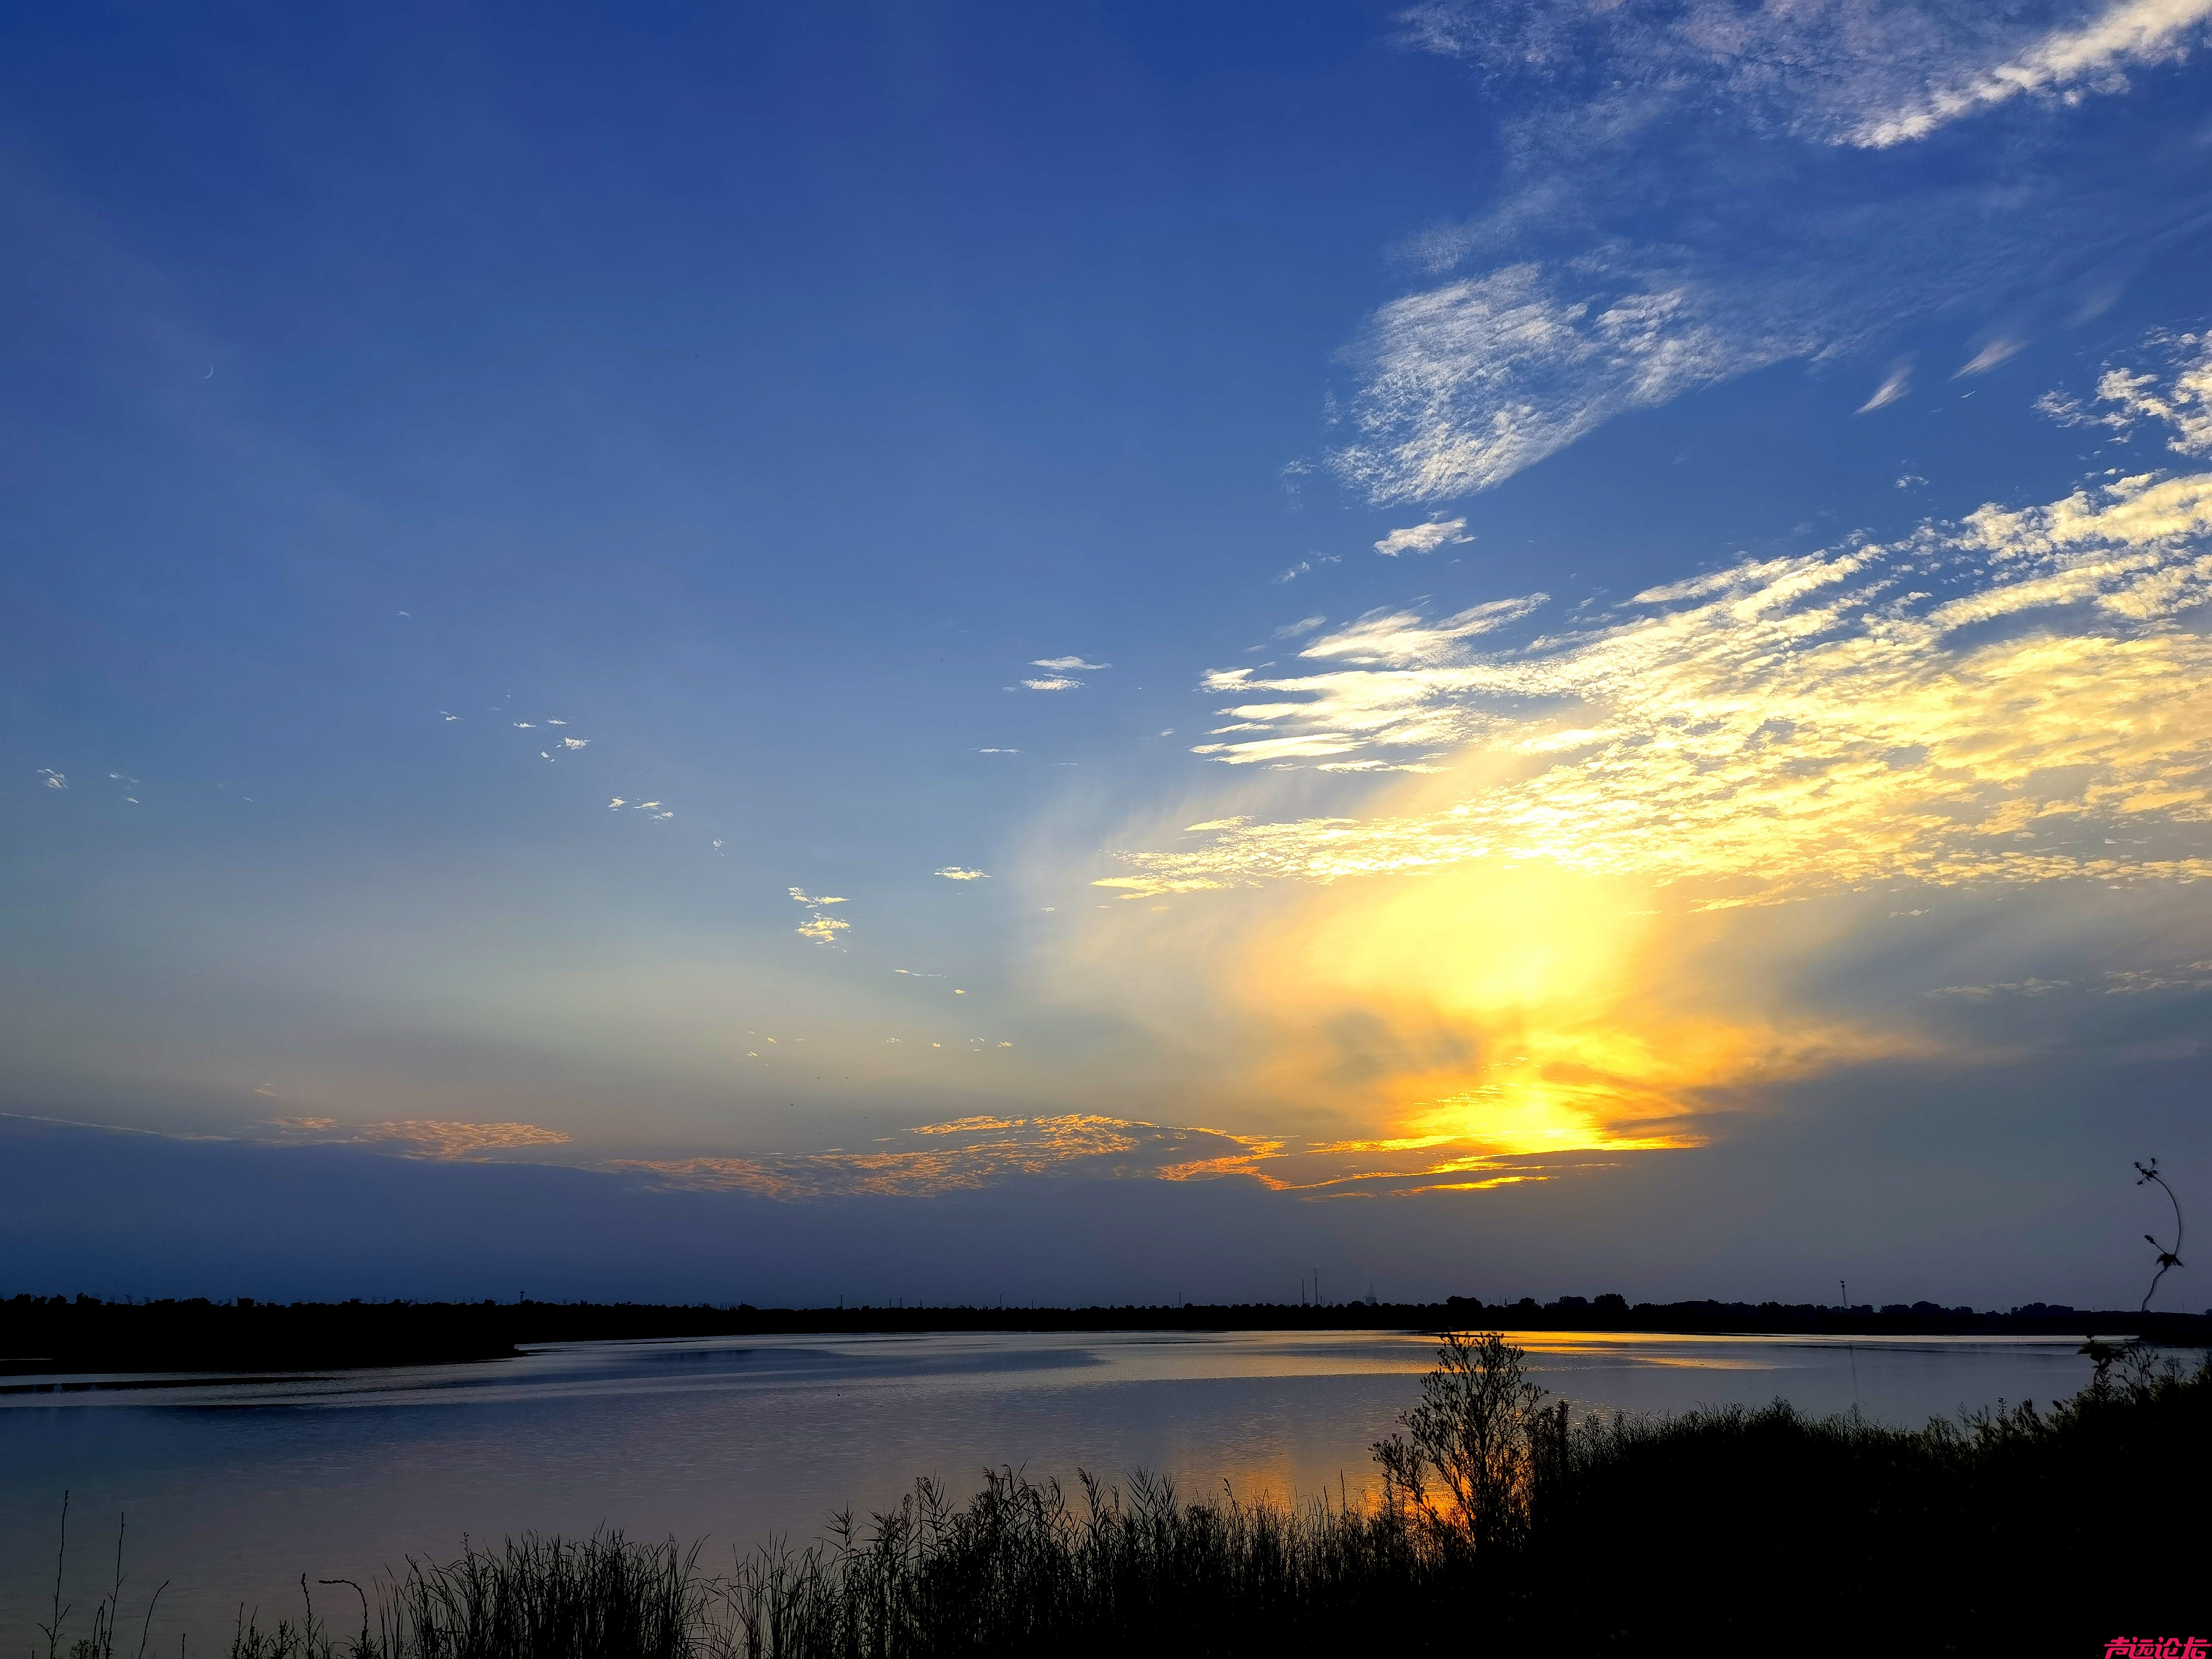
(1130, 653)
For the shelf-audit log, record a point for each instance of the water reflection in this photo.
(235, 1486)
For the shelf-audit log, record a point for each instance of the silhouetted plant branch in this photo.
(2166, 1258)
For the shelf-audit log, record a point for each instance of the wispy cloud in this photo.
(1839, 72)
(2113, 982)
(1979, 701)
(2025, 987)
(1404, 638)
(2091, 56)
(1057, 684)
(1067, 663)
(1894, 385)
(1999, 350)
(1384, 698)
(1469, 384)
(954, 872)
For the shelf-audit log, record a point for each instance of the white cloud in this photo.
(1292, 630)
(1054, 684)
(1423, 537)
(954, 872)
(1067, 662)
(54, 780)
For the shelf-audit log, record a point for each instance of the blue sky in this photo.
(633, 620)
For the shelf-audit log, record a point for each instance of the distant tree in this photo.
(1467, 1464)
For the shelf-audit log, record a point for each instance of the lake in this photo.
(233, 1488)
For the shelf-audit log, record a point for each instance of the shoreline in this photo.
(52, 1337)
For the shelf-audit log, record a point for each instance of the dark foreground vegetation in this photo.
(1502, 1527)
(48, 1334)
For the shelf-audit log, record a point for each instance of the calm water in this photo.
(234, 1489)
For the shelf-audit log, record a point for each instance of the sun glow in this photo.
(1524, 947)
(1508, 1011)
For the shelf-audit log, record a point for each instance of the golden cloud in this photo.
(974, 1153)
(968, 1153)
(423, 1137)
